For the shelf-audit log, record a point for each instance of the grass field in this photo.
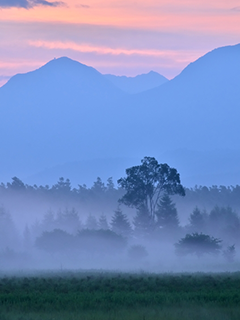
(115, 296)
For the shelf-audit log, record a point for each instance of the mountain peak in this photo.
(67, 66)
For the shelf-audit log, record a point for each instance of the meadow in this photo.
(75, 295)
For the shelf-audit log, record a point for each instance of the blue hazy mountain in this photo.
(139, 83)
(55, 114)
(198, 109)
(66, 112)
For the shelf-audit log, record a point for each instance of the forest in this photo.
(148, 221)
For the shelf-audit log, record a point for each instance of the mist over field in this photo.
(63, 228)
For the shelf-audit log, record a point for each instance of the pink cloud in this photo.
(179, 56)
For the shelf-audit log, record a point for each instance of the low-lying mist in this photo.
(86, 228)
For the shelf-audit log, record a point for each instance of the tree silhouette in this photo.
(143, 224)
(166, 213)
(68, 220)
(102, 222)
(16, 184)
(145, 184)
(63, 187)
(198, 220)
(120, 224)
(199, 244)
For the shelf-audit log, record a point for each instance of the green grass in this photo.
(113, 296)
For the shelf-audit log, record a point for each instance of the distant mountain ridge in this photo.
(139, 83)
(66, 112)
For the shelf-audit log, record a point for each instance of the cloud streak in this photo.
(101, 50)
(28, 4)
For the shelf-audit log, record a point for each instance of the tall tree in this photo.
(102, 222)
(110, 184)
(63, 187)
(98, 187)
(145, 184)
(68, 220)
(143, 224)
(120, 224)
(166, 213)
(225, 223)
(198, 220)
(16, 184)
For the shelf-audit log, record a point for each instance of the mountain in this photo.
(55, 114)
(139, 83)
(199, 109)
(66, 112)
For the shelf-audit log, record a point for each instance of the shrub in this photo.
(199, 244)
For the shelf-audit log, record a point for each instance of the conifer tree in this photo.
(143, 224)
(120, 224)
(166, 213)
(198, 220)
(102, 222)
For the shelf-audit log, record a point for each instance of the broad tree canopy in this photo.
(145, 184)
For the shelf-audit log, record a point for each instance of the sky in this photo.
(123, 37)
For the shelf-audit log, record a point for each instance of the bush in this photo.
(199, 244)
(55, 241)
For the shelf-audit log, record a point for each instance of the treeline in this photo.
(63, 189)
(201, 196)
(108, 193)
(208, 197)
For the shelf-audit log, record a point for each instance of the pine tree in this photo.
(143, 224)
(102, 222)
(69, 221)
(110, 184)
(197, 220)
(120, 224)
(166, 213)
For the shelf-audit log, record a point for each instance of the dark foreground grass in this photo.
(113, 296)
